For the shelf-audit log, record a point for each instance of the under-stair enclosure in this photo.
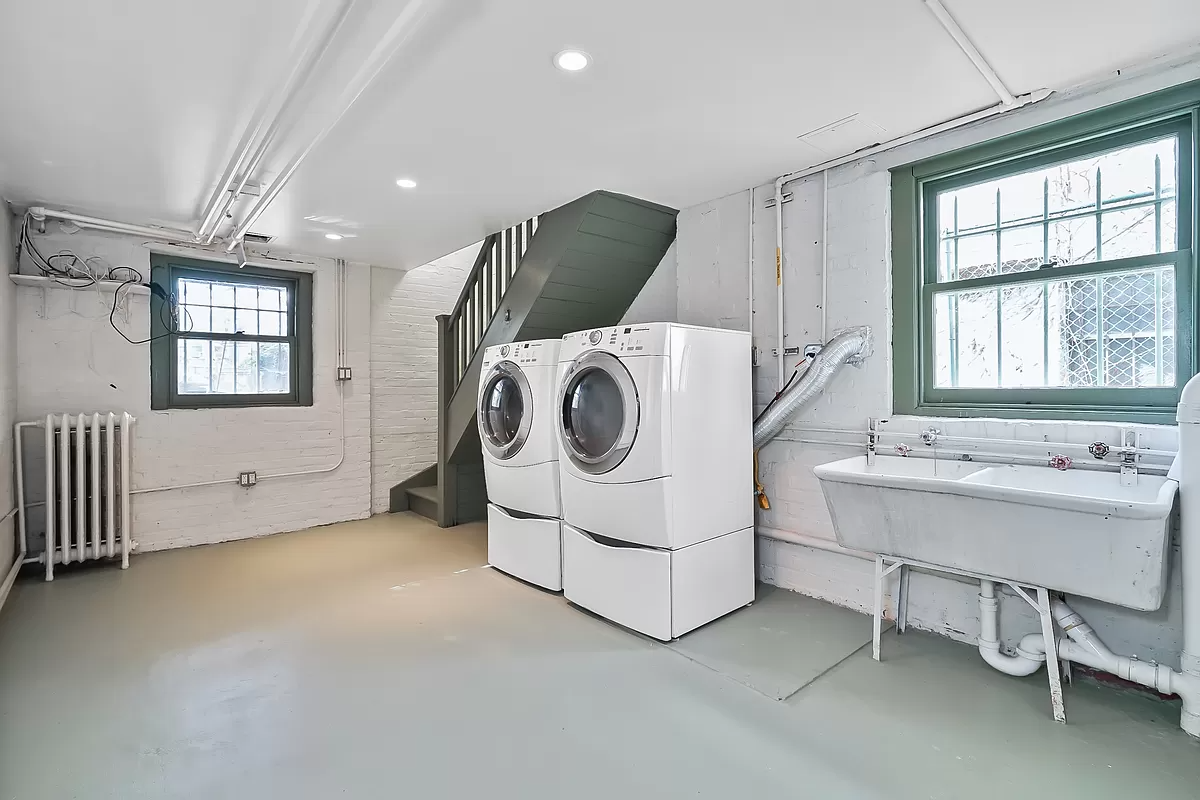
(578, 266)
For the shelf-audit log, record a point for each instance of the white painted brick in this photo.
(404, 357)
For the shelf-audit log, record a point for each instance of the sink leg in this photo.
(1056, 692)
(902, 601)
(878, 616)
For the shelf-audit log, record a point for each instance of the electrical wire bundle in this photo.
(93, 270)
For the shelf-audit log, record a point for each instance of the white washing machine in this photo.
(517, 387)
(655, 431)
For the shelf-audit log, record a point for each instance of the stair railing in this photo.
(477, 305)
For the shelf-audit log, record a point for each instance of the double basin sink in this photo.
(1078, 531)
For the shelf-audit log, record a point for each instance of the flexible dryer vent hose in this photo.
(850, 346)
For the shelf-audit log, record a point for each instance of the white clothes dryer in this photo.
(655, 427)
(520, 460)
(655, 431)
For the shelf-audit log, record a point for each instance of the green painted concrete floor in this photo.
(381, 659)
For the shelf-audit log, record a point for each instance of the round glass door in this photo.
(599, 412)
(505, 414)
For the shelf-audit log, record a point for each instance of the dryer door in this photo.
(599, 412)
(505, 410)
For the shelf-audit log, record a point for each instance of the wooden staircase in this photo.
(576, 267)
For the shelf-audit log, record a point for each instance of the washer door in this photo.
(598, 412)
(505, 410)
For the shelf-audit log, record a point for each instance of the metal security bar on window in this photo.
(1103, 218)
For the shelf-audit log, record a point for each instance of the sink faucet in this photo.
(872, 438)
(930, 436)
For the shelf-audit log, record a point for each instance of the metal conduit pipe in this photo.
(848, 347)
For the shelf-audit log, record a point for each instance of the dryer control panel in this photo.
(534, 353)
(647, 339)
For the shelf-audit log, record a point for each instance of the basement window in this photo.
(244, 336)
(1051, 274)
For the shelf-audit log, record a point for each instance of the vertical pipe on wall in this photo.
(750, 274)
(50, 516)
(779, 281)
(825, 258)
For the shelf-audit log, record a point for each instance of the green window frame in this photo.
(916, 282)
(169, 328)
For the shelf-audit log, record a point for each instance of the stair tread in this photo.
(429, 493)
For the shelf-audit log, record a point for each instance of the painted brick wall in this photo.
(8, 388)
(712, 284)
(404, 366)
(70, 360)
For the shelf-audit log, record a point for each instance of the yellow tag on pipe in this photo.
(778, 266)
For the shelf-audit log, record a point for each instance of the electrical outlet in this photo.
(247, 479)
(344, 373)
(791, 351)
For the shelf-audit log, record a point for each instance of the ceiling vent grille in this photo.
(257, 238)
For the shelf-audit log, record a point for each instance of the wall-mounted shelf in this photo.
(43, 282)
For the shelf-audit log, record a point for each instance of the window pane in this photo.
(196, 318)
(1022, 249)
(1022, 335)
(1128, 195)
(222, 320)
(247, 297)
(1115, 330)
(222, 294)
(270, 323)
(195, 292)
(247, 322)
(194, 368)
(222, 367)
(269, 299)
(274, 368)
(246, 380)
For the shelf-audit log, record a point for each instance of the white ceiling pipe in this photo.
(40, 213)
(270, 114)
(402, 29)
(972, 52)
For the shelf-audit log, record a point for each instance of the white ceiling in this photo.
(131, 108)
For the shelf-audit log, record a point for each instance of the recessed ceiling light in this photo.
(406, 183)
(572, 60)
(333, 236)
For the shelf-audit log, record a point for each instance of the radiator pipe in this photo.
(848, 347)
(50, 499)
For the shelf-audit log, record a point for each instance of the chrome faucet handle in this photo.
(930, 436)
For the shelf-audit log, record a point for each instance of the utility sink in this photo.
(1076, 531)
